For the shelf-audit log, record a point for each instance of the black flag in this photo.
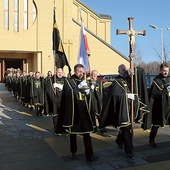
(59, 54)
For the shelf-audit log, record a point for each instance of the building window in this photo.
(34, 11)
(25, 14)
(6, 14)
(16, 15)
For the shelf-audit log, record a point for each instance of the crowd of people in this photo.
(82, 105)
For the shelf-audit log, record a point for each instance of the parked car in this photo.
(107, 77)
(149, 80)
(110, 78)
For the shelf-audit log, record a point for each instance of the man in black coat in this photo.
(53, 92)
(37, 93)
(160, 102)
(77, 113)
(117, 108)
(97, 90)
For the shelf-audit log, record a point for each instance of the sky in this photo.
(145, 13)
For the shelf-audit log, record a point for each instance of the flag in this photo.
(84, 51)
(59, 54)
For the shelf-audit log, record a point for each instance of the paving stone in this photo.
(28, 141)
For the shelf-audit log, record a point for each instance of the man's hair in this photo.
(37, 72)
(93, 71)
(78, 66)
(163, 65)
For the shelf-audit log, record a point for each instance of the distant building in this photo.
(26, 35)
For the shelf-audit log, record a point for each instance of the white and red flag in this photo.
(84, 52)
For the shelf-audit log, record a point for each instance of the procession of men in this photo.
(81, 104)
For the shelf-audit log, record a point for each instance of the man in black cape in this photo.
(160, 102)
(97, 90)
(117, 110)
(53, 92)
(37, 93)
(77, 114)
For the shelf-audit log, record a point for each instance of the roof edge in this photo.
(102, 16)
(101, 40)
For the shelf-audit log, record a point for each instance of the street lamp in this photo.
(162, 41)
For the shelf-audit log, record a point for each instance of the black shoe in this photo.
(103, 130)
(131, 155)
(92, 159)
(152, 143)
(120, 145)
(72, 155)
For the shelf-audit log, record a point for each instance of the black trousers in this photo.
(87, 144)
(125, 137)
(55, 120)
(39, 110)
(153, 132)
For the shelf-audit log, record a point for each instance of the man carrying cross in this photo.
(124, 97)
(131, 33)
(117, 108)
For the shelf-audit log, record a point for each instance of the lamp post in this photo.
(162, 40)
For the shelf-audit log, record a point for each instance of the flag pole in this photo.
(81, 19)
(85, 42)
(54, 52)
(60, 59)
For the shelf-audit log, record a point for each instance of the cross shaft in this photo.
(131, 33)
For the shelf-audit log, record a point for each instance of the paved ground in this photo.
(27, 142)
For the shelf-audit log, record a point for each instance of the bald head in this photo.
(123, 70)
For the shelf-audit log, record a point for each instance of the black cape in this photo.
(116, 108)
(160, 101)
(142, 110)
(37, 91)
(77, 115)
(53, 95)
(97, 96)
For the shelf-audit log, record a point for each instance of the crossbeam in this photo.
(131, 33)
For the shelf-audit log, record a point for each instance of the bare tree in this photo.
(138, 56)
(166, 52)
(150, 68)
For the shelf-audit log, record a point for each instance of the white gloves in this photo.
(131, 96)
(87, 91)
(59, 86)
(168, 88)
(82, 84)
(92, 86)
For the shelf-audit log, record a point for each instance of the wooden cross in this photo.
(131, 33)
